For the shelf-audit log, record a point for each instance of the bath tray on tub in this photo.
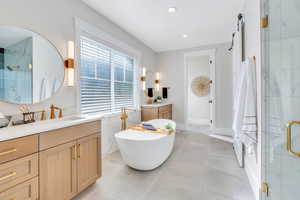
(138, 127)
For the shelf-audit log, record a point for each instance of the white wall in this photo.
(251, 11)
(54, 19)
(171, 65)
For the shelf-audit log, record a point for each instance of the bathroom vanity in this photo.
(49, 160)
(156, 111)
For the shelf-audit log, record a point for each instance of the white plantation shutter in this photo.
(106, 78)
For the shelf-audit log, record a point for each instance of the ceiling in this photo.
(203, 21)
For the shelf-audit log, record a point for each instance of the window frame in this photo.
(84, 29)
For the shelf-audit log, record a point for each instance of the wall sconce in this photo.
(143, 78)
(157, 81)
(69, 63)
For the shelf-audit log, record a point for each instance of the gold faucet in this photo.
(43, 116)
(52, 113)
(124, 117)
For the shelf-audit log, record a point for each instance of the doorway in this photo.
(199, 90)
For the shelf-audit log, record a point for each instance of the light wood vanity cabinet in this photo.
(68, 169)
(156, 112)
(56, 164)
(17, 148)
(28, 190)
(18, 171)
(88, 161)
(58, 172)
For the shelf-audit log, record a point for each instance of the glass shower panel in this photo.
(16, 73)
(282, 98)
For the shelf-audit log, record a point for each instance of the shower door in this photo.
(281, 107)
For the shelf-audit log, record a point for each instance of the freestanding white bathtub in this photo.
(144, 150)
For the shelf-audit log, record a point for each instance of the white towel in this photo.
(245, 117)
(249, 126)
(238, 75)
(240, 103)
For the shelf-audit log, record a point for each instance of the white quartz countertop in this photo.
(156, 104)
(14, 132)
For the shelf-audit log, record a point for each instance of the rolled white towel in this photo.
(4, 121)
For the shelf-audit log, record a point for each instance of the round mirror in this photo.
(31, 68)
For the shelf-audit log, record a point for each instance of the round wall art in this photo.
(201, 86)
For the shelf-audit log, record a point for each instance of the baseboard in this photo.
(223, 131)
(222, 137)
(206, 130)
(180, 126)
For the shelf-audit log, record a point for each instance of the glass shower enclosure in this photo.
(281, 100)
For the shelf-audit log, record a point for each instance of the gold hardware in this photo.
(11, 174)
(78, 151)
(124, 117)
(8, 152)
(289, 138)
(265, 188)
(74, 152)
(52, 113)
(43, 115)
(13, 199)
(264, 22)
(143, 78)
(69, 63)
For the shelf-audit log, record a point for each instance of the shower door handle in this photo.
(289, 138)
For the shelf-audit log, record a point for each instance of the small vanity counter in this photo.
(155, 105)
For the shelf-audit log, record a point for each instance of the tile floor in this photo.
(200, 168)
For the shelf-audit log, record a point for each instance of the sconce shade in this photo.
(71, 50)
(69, 63)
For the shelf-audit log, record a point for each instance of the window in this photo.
(106, 78)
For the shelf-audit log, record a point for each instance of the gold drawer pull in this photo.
(74, 152)
(11, 174)
(13, 199)
(78, 151)
(8, 152)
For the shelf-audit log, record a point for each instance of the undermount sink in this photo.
(72, 118)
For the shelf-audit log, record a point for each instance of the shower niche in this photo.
(31, 69)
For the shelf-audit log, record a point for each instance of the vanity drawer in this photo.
(166, 108)
(17, 148)
(61, 136)
(27, 190)
(18, 171)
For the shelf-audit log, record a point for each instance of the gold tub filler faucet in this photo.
(124, 117)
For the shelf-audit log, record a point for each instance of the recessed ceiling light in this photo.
(172, 9)
(184, 35)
